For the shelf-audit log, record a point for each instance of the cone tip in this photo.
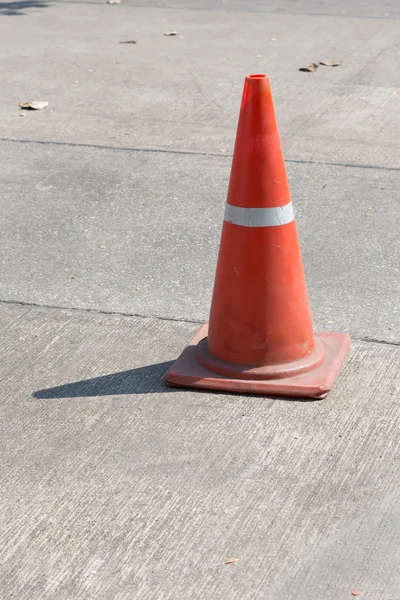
(255, 78)
(256, 83)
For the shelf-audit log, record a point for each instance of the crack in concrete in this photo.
(190, 153)
(100, 311)
(149, 316)
(375, 341)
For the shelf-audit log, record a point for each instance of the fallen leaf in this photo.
(355, 593)
(171, 33)
(129, 42)
(330, 63)
(229, 561)
(310, 69)
(113, 1)
(34, 104)
(70, 276)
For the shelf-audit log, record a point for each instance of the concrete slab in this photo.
(115, 487)
(184, 92)
(138, 233)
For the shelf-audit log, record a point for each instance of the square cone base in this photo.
(187, 372)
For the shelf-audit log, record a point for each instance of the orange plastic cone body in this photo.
(260, 337)
(260, 313)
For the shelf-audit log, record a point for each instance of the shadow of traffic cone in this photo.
(260, 336)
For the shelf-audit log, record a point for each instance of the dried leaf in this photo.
(310, 69)
(330, 63)
(113, 1)
(128, 42)
(34, 104)
(355, 593)
(171, 33)
(229, 561)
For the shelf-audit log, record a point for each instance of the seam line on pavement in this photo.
(249, 12)
(100, 311)
(190, 153)
(375, 341)
(148, 316)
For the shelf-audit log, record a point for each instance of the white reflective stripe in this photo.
(259, 217)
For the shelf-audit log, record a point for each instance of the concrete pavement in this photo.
(114, 487)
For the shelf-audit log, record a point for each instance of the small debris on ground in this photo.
(272, 39)
(128, 42)
(113, 1)
(230, 561)
(310, 69)
(171, 33)
(34, 104)
(70, 276)
(137, 289)
(330, 63)
(76, 81)
(355, 593)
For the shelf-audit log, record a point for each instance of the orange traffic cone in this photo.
(260, 337)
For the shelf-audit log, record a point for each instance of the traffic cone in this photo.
(260, 336)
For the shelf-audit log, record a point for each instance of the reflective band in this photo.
(259, 217)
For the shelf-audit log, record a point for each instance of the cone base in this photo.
(316, 383)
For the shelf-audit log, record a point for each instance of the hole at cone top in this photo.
(257, 76)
